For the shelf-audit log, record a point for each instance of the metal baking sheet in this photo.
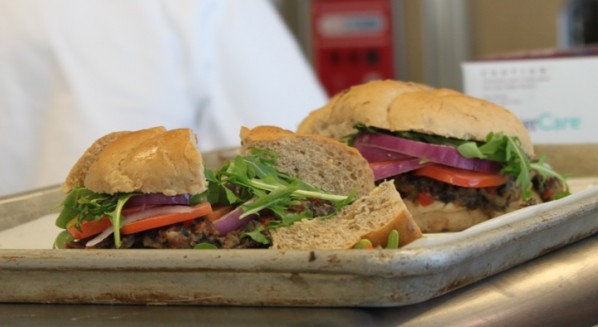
(427, 268)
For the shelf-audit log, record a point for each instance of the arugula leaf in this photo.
(197, 199)
(253, 181)
(257, 235)
(69, 210)
(86, 205)
(496, 147)
(507, 150)
(217, 191)
(348, 200)
(116, 218)
(62, 239)
(287, 219)
(545, 171)
(205, 246)
(273, 199)
(302, 188)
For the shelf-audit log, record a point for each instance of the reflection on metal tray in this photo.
(427, 268)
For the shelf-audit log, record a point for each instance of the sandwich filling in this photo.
(489, 176)
(245, 199)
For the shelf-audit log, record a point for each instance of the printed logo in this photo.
(547, 122)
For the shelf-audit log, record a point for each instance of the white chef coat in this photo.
(73, 71)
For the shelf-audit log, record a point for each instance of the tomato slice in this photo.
(425, 199)
(199, 210)
(92, 227)
(461, 177)
(88, 228)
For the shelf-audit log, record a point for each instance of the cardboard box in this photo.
(556, 97)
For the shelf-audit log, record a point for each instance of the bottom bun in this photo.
(439, 217)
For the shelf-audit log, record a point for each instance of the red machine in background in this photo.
(352, 42)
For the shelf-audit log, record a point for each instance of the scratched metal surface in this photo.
(434, 265)
(557, 289)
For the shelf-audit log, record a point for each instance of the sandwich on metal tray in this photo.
(149, 189)
(456, 160)
(142, 181)
(376, 218)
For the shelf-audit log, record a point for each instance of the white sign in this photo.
(556, 98)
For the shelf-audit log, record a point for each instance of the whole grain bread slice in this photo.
(370, 217)
(320, 161)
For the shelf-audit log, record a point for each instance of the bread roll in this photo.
(361, 104)
(396, 106)
(153, 160)
(337, 168)
(440, 217)
(402, 107)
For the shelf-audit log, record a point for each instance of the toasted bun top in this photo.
(317, 160)
(365, 103)
(400, 107)
(153, 160)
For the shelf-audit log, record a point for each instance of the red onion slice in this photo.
(374, 154)
(156, 211)
(442, 154)
(232, 221)
(158, 199)
(389, 168)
